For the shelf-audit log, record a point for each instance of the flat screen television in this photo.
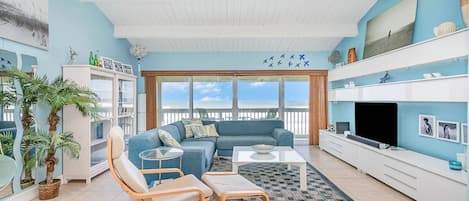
(377, 121)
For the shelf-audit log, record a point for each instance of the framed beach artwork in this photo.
(427, 125)
(391, 30)
(25, 21)
(464, 133)
(448, 131)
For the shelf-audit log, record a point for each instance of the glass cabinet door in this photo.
(103, 87)
(126, 107)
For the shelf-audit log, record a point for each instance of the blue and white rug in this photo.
(282, 184)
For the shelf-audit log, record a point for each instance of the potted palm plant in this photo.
(30, 86)
(57, 95)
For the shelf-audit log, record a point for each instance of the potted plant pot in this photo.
(27, 183)
(49, 191)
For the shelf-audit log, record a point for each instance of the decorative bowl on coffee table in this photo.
(262, 148)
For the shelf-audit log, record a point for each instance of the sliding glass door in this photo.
(235, 98)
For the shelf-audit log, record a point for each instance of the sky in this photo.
(251, 94)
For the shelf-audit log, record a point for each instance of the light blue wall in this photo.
(76, 24)
(429, 15)
(223, 61)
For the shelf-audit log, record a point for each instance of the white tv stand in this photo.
(419, 176)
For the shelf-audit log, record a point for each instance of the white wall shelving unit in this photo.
(112, 111)
(453, 45)
(443, 89)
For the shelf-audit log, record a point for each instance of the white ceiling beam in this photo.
(245, 31)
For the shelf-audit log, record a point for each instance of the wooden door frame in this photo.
(318, 105)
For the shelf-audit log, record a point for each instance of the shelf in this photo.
(125, 115)
(446, 47)
(97, 142)
(103, 72)
(443, 89)
(101, 119)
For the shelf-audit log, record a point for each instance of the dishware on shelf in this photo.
(455, 165)
(427, 75)
(351, 56)
(262, 148)
(444, 28)
(436, 75)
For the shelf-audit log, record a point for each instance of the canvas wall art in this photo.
(391, 30)
(25, 21)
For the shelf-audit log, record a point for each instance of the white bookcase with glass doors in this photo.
(116, 107)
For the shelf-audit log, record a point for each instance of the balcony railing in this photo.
(296, 119)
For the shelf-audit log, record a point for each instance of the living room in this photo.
(233, 100)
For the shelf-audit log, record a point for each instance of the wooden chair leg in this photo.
(265, 197)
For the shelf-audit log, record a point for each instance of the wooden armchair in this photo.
(131, 180)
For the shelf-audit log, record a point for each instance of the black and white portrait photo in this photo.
(25, 21)
(448, 131)
(427, 125)
(107, 63)
(464, 133)
(118, 66)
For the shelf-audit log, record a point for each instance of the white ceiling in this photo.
(235, 25)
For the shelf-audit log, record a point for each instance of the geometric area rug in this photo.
(282, 184)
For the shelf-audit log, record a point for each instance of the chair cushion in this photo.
(182, 182)
(130, 174)
(207, 146)
(173, 130)
(228, 142)
(167, 139)
(117, 138)
(230, 184)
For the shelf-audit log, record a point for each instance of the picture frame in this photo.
(427, 125)
(118, 66)
(464, 133)
(448, 131)
(127, 68)
(107, 63)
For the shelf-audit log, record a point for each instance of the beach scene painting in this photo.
(25, 21)
(391, 30)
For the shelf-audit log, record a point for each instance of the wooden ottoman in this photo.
(229, 185)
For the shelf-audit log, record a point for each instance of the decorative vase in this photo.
(352, 55)
(465, 10)
(49, 191)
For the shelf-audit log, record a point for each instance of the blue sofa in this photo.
(198, 153)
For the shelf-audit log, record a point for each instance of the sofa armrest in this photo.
(142, 142)
(193, 161)
(284, 137)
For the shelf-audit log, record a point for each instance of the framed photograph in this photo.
(427, 125)
(448, 131)
(128, 68)
(107, 63)
(117, 66)
(464, 133)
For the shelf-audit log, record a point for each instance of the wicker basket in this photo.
(27, 184)
(49, 191)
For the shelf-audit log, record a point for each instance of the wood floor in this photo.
(357, 185)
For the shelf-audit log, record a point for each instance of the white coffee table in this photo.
(243, 155)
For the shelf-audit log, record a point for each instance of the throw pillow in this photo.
(199, 131)
(187, 123)
(168, 139)
(211, 130)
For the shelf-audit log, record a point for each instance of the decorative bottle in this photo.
(91, 58)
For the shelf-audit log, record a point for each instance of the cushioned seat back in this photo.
(128, 173)
(251, 127)
(173, 130)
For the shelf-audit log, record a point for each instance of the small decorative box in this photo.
(455, 165)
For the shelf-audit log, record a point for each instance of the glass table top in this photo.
(161, 153)
(280, 154)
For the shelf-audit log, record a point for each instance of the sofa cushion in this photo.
(167, 139)
(208, 146)
(173, 131)
(248, 128)
(208, 139)
(180, 126)
(228, 142)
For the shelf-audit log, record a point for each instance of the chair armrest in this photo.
(283, 136)
(219, 173)
(159, 193)
(162, 170)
